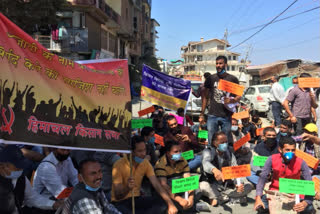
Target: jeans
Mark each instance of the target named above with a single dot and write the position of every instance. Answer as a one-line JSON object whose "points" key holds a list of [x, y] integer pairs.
{"points": [[195, 162], [213, 124], [300, 124], [276, 111], [253, 178]]}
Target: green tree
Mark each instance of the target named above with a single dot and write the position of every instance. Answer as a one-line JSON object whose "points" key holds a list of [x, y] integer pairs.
{"points": [[27, 13]]}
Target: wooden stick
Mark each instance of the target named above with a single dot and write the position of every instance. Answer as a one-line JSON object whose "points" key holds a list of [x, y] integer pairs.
{"points": [[132, 191]]}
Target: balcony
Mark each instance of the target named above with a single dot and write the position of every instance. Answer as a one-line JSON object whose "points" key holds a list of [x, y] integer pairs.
{"points": [[73, 40]]}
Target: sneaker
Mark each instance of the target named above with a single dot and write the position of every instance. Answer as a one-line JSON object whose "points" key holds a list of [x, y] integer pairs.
{"points": [[223, 199], [243, 201], [247, 189], [202, 207]]}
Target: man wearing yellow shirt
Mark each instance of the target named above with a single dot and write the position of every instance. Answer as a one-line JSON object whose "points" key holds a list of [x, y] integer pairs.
{"points": [[123, 185]]}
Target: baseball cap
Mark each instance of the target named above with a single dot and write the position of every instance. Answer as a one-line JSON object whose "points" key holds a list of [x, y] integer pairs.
{"points": [[13, 154], [311, 127]]}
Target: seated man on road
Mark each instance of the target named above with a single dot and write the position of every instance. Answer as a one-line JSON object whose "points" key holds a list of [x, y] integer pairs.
{"points": [[147, 133], [55, 173], [15, 188], [172, 166], [187, 120], [249, 127], [280, 164], [88, 196], [267, 147], [211, 176], [186, 139], [202, 125], [285, 129], [308, 146], [124, 184]]}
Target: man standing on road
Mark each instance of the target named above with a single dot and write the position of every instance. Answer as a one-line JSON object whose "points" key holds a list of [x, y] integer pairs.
{"points": [[301, 99], [277, 95], [218, 114]]}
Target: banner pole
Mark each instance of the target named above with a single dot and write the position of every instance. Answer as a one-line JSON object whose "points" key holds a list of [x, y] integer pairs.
{"points": [[132, 191]]}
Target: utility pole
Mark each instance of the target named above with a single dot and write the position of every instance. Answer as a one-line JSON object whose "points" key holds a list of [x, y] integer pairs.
{"points": [[225, 38], [245, 60]]}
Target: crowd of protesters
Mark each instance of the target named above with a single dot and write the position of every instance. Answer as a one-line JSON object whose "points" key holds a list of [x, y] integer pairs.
{"points": [[32, 178]]}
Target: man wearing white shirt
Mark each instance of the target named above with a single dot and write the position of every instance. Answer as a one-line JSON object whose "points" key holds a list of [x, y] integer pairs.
{"points": [[15, 189], [277, 96], [55, 173]]}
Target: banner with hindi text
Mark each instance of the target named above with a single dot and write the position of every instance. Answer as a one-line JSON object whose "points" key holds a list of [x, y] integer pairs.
{"points": [[50, 100]]}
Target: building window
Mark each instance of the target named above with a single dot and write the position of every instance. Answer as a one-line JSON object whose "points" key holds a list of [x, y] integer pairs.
{"points": [[229, 57], [199, 58], [220, 47], [233, 68], [234, 57], [228, 68], [199, 48]]}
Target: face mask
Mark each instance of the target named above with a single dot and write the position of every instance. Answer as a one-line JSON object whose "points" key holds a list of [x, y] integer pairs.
{"points": [[277, 130], [176, 157], [138, 160], [223, 147], [89, 188], [270, 142], [221, 72], [283, 133], [288, 155], [14, 174], [295, 85], [151, 140], [255, 120], [234, 128], [61, 157]]}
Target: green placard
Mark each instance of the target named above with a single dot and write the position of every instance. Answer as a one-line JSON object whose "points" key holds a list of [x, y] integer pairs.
{"points": [[187, 155], [203, 134], [141, 123], [259, 160], [185, 184], [294, 186]]}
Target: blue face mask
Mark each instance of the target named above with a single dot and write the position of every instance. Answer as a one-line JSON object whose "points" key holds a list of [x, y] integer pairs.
{"points": [[14, 174], [138, 160], [283, 133], [89, 188], [234, 128], [223, 147], [151, 140], [288, 155], [176, 157], [221, 72]]}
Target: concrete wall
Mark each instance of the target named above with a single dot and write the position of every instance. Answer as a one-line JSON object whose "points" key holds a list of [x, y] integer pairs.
{"points": [[94, 33]]}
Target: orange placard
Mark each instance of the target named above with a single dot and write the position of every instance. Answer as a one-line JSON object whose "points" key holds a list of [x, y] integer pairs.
{"points": [[309, 82], [159, 140], [316, 184], [146, 111], [309, 159], [65, 193], [241, 115], [232, 172], [259, 131], [231, 87], [242, 141]]}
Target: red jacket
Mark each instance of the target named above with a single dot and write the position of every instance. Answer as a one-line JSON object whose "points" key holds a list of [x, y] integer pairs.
{"points": [[281, 170]]}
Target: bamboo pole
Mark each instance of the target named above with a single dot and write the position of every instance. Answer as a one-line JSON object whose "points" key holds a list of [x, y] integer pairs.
{"points": [[132, 191]]}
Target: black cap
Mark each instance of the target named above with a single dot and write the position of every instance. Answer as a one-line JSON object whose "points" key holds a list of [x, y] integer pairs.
{"points": [[13, 154]]}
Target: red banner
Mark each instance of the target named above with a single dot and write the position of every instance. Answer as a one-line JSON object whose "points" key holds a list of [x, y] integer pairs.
{"points": [[51, 100]]}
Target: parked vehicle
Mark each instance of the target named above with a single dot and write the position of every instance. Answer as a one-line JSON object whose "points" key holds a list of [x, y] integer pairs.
{"points": [[194, 104], [258, 95]]}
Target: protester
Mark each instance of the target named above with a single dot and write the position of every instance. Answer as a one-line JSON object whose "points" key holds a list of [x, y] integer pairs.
{"points": [[148, 135], [249, 127], [201, 89], [266, 148], [214, 158], [202, 125], [285, 129], [185, 137], [55, 173], [187, 120], [308, 146], [218, 114], [125, 185], [243, 154], [255, 119], [15, 188], [172, 166], [301, 99], [88, 196], [277, 95], [275, 201]]}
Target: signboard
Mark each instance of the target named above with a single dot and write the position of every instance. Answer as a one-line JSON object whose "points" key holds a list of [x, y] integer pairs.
{"points": [[146, 111], [164, 90], [294, 186], [232, 172], [309, 159], [159, 140], [309, 82], [188, 155], [141, 123], [203, 134], [185, 184], [241, 115], [259, 160], [53, 101], [241, 142], [231, 87]]}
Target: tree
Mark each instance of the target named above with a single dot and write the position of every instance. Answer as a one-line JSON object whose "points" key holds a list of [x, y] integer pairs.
{"points": [[29, 13]]}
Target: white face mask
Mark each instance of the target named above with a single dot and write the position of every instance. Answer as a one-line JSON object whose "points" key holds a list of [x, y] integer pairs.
{"points": [[277, 130]]}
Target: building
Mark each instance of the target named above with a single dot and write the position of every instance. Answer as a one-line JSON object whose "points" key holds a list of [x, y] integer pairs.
{"points": [[200, 57], [96, 29]]}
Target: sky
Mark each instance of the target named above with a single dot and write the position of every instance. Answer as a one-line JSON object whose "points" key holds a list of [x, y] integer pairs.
{"points": [[297, 37]]}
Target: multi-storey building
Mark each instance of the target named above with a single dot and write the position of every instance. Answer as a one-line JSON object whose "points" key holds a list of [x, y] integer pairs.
{"points": [[96, 29], [200, 57]]}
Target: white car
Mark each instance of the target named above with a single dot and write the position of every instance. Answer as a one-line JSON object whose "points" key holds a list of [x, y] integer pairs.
{"points": [[194, 104], [258, 95]]}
